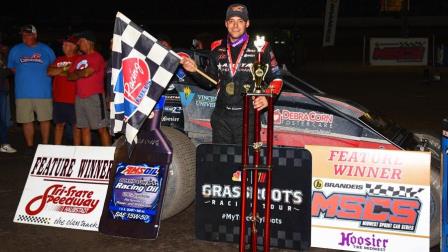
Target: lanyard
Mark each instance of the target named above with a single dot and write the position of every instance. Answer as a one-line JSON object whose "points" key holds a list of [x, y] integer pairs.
{"points": [[234, 66], [242, 39]]}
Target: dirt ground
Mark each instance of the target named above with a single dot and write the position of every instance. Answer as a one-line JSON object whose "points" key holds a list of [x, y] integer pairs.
{"points": [[400, 94]]}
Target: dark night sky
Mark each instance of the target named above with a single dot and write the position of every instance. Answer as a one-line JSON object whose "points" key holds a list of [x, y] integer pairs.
{"points": [[156, 9], [57, 18], [64, 11], [79, 13], [87, 13], [54, 18]]}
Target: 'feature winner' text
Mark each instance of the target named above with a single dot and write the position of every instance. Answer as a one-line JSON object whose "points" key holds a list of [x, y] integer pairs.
{"points": [[70, 167]]}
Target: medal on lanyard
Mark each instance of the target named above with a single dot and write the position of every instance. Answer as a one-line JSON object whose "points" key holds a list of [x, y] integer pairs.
{"points": [[230, 88]]}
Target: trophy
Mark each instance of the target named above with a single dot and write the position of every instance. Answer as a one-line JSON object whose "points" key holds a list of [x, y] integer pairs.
{"points": [[258, 71]]}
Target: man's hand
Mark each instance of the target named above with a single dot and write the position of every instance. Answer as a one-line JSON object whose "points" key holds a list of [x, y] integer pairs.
{"points": [[78, 74], [260, 102], [55, 71], [189, 64]]}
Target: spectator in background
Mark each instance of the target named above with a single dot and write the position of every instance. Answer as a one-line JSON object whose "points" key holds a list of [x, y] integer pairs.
{"points": [[64, 91], [202, 41], [164, 40], [197, 44], [5, 112], [29, 62], [90, 106]]}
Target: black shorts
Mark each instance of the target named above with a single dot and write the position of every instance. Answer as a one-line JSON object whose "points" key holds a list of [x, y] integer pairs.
{"points": [[64, 113]]}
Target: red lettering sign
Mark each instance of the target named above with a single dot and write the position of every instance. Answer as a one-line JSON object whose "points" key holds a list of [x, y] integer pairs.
{"points": [[366, 208]]}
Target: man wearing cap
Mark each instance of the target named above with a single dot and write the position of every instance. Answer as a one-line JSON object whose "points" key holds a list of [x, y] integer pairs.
{"points": [[64, 91], [230, 61], [90, 107], [29, 61]]}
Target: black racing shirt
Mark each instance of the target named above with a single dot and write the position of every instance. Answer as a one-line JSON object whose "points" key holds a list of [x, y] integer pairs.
{"points": [[220, 70]]}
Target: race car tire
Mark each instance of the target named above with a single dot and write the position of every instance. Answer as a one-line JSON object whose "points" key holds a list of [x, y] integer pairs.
{"points": [[433, 146], [180, 188]]}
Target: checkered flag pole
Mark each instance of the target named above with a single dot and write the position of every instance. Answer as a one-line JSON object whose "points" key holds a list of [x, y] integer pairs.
{"points": [[393, 191], [141, 69]]}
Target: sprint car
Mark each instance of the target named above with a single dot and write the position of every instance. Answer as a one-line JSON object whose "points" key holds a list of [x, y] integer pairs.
{"points": [[303, 115]]}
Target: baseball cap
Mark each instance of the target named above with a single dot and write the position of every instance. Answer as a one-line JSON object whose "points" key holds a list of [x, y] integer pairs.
{"points": [[89, 35], [29, 28], [237, 10], [71, 38]]}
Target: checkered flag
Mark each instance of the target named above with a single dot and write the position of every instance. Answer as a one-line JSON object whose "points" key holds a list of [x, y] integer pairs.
{"points": [[393, 191], [141, 69]]}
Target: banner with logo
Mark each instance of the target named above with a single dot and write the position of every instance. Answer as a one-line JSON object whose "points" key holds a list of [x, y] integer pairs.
{"points": [[399, 51], [198, 105], [218, 195], [370, 200], [331, 18], [66, 187]]}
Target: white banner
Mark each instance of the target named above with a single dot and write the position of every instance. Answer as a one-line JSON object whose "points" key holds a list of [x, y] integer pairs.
{"points": [[370, 200], [66, 187], [398, 51], [331, 18]]}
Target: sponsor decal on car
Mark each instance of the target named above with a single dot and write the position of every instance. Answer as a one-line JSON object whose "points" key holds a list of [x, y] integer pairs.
{"points": [[285, 116]]}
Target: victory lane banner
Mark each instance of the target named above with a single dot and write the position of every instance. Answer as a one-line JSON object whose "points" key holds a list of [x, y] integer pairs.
{"points": [[66, 187], [370, 199], [218, 193]]}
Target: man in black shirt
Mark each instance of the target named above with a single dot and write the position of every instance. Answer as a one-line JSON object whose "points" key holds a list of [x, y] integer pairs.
{"points": [[230, 62]]}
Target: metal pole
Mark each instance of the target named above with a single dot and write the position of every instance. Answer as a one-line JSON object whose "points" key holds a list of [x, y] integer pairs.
{"points": [[255, 217], [364, 49], [433, 50], [245, 163], [270, 143]]}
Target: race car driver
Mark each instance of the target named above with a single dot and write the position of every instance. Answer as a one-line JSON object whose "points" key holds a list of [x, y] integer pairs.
{"points": [[230, 61]]}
